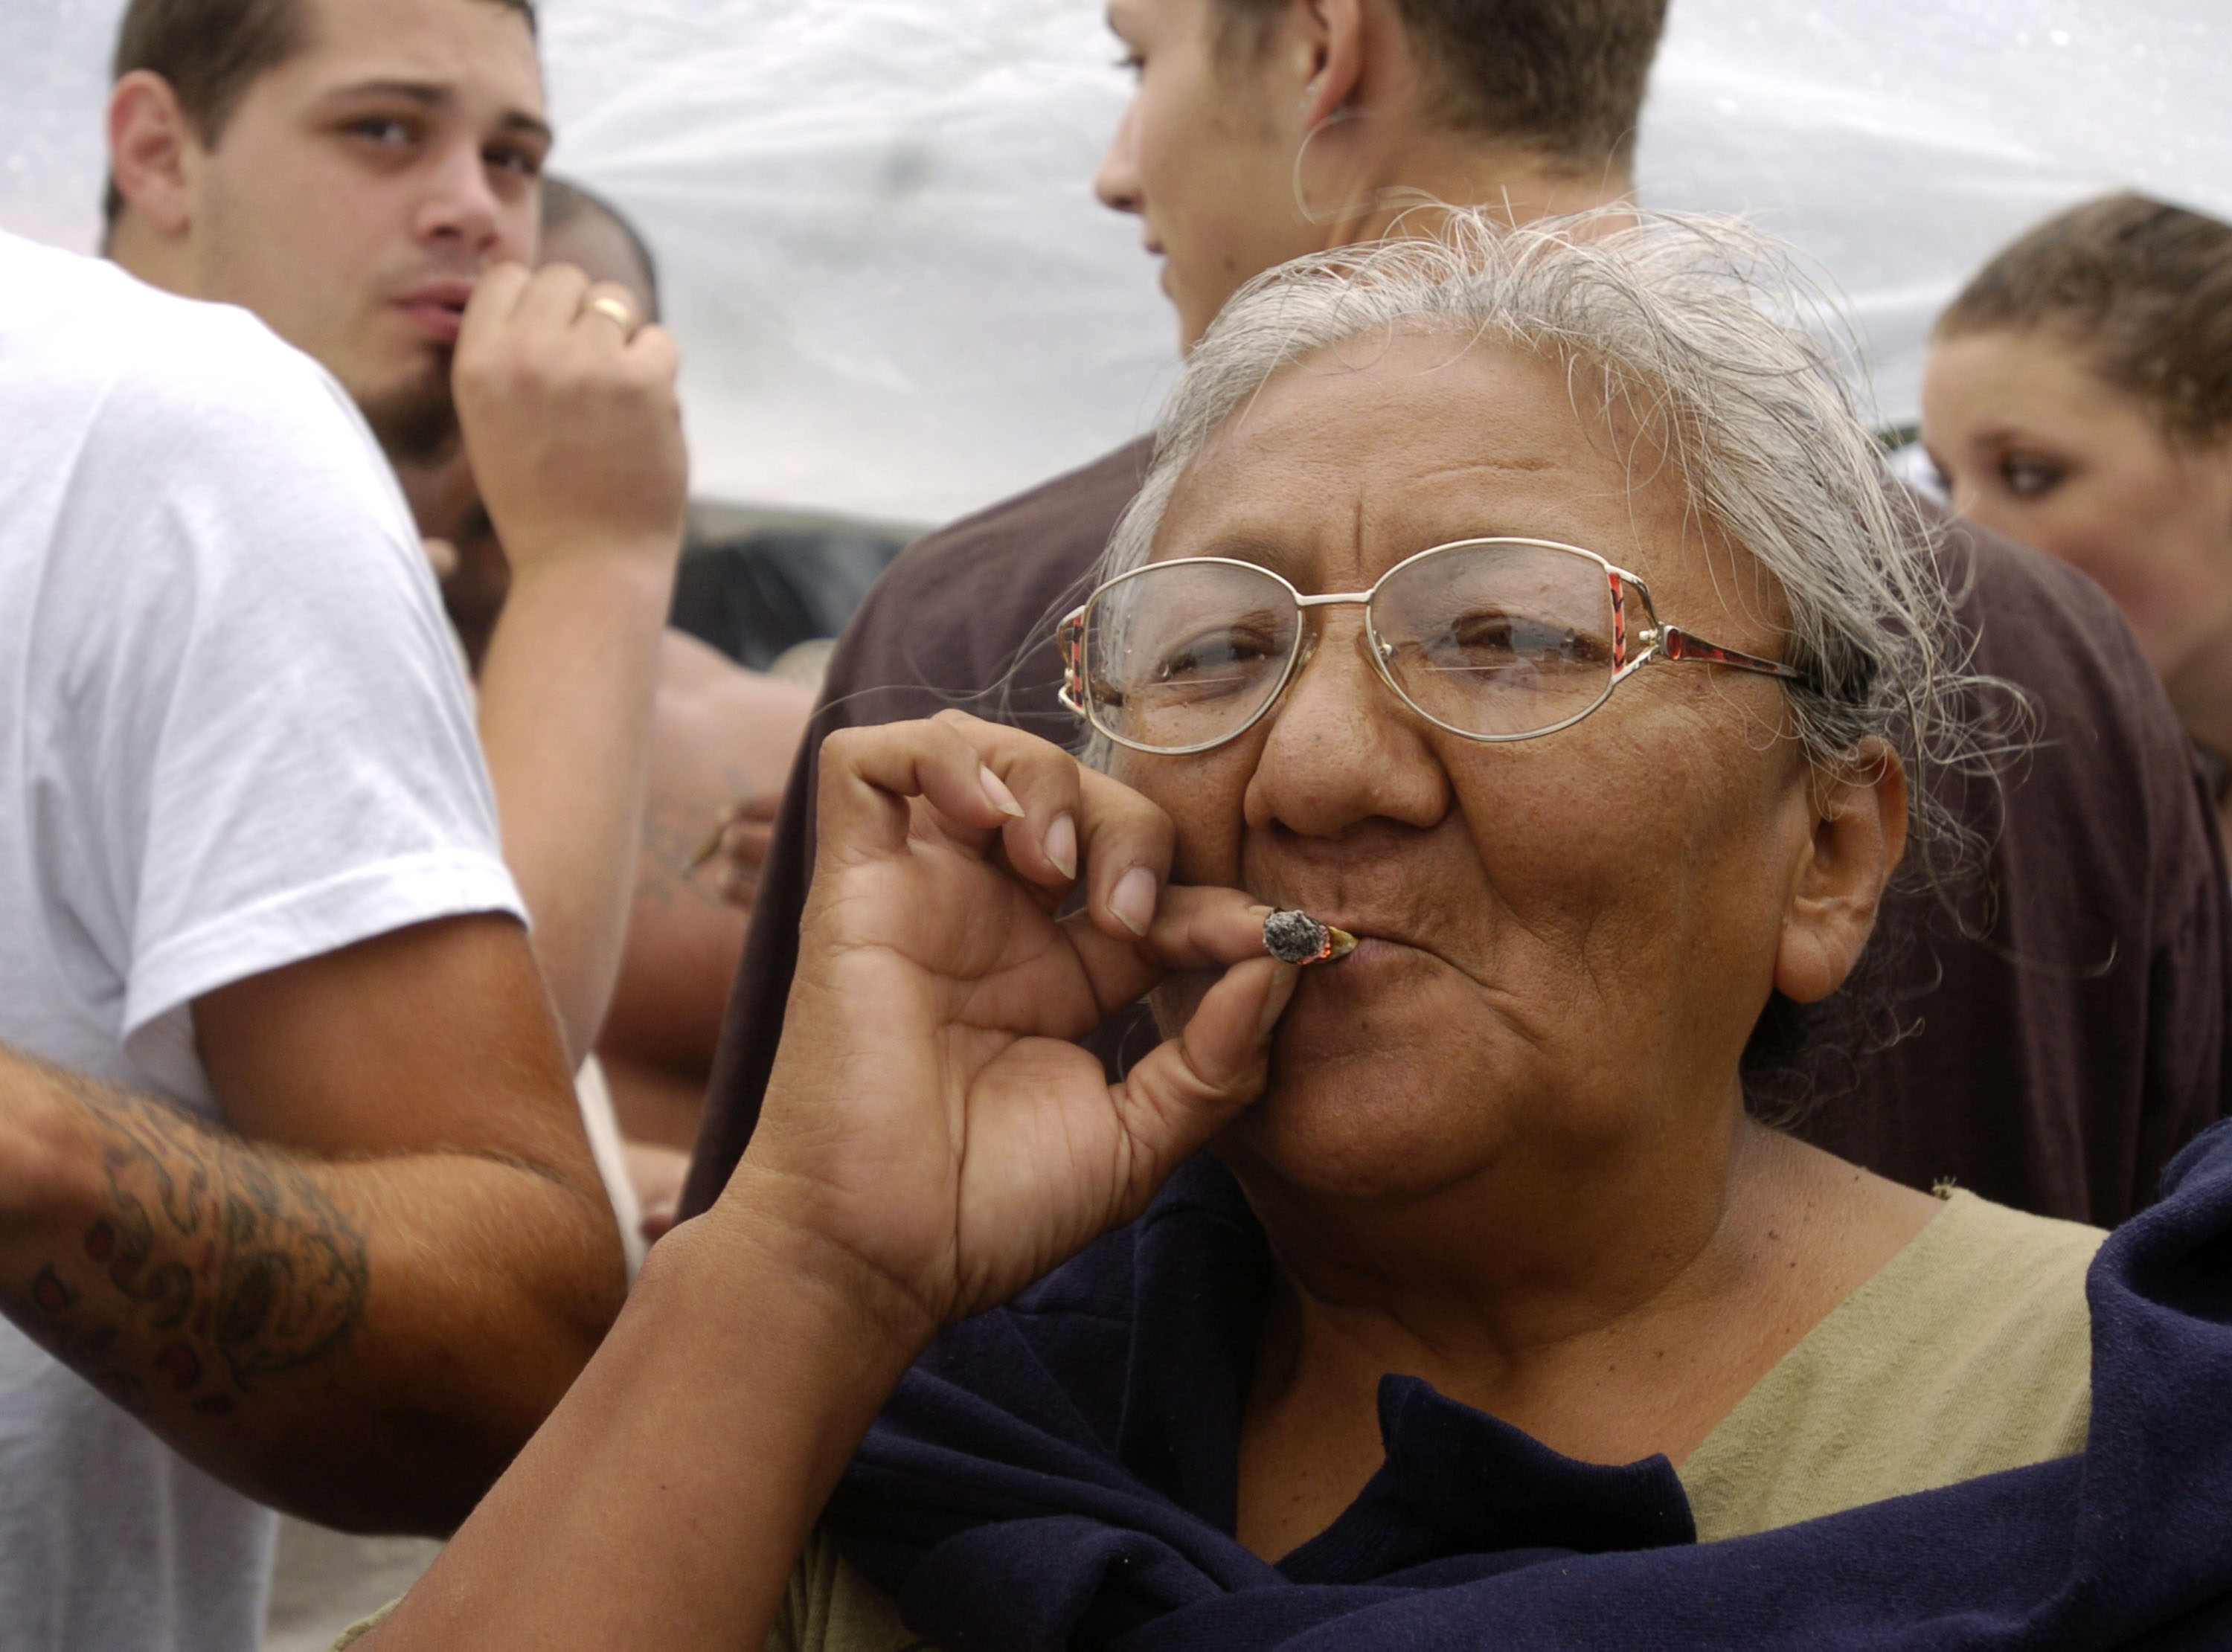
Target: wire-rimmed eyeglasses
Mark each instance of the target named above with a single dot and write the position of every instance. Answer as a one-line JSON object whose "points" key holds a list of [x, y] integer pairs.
{"points": [[1492, 640]]}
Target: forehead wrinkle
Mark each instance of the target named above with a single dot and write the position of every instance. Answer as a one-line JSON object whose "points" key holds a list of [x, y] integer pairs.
{"points": [[1472, 486], [1551, 467], [1521, 466], [1412, 523]]}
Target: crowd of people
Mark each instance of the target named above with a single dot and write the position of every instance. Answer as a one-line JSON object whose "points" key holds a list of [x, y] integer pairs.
{"points": [[1757, 1179]]}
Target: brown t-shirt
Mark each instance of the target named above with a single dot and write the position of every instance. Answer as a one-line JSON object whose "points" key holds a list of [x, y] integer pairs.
{"points": [[2049, 1043]]}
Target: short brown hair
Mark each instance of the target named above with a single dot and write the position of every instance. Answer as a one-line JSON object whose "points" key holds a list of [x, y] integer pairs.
{"points": [[1566, 77], [2144, 289], [211, 51]]}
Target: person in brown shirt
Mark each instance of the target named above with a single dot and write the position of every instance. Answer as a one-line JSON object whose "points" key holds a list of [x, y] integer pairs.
{"points": [[2044, 1029]]}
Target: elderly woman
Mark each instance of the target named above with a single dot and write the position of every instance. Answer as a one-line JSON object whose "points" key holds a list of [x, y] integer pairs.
{"points": [[1533, 610]]}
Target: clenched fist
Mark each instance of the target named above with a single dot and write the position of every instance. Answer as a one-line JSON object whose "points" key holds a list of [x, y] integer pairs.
{"points": [[570, 420]]}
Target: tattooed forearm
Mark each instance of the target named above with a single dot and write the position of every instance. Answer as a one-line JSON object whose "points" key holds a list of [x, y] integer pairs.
{"points": [[671, 871], [210, 1265]]}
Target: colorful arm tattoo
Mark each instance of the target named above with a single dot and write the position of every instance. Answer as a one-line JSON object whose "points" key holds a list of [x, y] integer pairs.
{"points": [[210, 1264]]}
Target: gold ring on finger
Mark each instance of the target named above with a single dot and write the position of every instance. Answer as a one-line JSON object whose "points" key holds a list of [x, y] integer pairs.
{"points": [[617, 310]]}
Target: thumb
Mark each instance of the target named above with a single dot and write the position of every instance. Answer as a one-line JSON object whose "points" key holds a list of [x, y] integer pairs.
{"points": [[1191, 1086]]}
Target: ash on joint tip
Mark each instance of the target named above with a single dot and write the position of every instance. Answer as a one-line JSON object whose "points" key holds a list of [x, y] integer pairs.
{"points": [[1296, 938]]}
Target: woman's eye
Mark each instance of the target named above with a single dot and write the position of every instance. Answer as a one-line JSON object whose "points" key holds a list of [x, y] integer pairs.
{"points": [[1218, 652], [2029, 478], [1522, 636]]}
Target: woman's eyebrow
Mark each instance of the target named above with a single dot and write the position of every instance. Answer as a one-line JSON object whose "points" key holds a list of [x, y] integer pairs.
{"points": [[1291, 559], [1408, 538], [1264, 549]]}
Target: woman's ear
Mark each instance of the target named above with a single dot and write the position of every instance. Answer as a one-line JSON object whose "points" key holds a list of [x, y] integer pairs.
{"points": [[1859, 832], [148, 138], [1336, 33]]}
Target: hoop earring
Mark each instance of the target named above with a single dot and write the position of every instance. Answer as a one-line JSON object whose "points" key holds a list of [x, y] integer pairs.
{"points": [[1301, 152]]}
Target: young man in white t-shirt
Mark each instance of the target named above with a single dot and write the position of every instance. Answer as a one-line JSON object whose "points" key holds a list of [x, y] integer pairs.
{"points": [[347, 170], [249, 864], [252, 866]]}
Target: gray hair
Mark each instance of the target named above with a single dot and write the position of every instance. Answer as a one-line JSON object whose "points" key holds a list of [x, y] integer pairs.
{"points": [[1702, 327]]}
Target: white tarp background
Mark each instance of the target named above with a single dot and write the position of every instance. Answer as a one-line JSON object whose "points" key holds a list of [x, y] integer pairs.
{"points": [[898, 298]]}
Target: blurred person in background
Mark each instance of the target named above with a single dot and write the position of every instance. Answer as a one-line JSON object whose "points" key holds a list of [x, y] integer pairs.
{"points": [[346, 170], [2078, 397], [722, 738], [2049, 1052]]}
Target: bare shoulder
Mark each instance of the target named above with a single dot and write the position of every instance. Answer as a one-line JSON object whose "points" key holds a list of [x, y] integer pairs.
{"points": [[719, 731], [691, 672]]}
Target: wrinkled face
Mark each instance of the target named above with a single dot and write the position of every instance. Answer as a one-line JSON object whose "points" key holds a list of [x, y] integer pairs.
{"points": [[1205, 155], [2032, 444], [1566, 940], [362, 187]]}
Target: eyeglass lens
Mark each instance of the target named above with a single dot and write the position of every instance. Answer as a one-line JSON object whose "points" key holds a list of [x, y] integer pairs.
{"points": [[1496, 638]]}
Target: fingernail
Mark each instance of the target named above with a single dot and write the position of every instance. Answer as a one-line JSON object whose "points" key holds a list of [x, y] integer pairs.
{"points": [[1281, 994], [1061, 844], [997, 791], [1133, 901]]}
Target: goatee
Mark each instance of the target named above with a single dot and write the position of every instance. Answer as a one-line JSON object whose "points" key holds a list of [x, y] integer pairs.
{"points": [[416, 422]]}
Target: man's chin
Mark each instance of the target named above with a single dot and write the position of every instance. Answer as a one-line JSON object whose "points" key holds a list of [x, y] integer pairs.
{"points": [[417, 423]]}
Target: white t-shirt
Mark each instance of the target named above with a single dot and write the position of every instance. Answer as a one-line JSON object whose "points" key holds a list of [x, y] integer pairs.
{"points": [[233, 736]]}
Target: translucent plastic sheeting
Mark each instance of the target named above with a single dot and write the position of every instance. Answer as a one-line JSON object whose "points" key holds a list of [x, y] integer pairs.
{"points": [[897, 297]]}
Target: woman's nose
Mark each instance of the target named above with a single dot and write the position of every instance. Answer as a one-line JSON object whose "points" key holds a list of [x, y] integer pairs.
{"points": [[1343, 748], [1116, 180]]}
